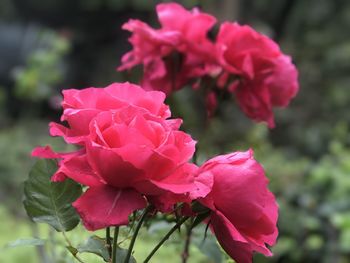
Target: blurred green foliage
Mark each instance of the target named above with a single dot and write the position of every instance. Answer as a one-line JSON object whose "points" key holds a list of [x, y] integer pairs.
{"points": [[37, 79]]}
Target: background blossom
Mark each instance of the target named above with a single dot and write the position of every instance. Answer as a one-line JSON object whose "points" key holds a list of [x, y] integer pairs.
{"points": [[174, 54], [264, 77]]}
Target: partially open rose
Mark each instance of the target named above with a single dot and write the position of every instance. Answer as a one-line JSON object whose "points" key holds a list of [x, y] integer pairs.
{"points": [[243, 211]]}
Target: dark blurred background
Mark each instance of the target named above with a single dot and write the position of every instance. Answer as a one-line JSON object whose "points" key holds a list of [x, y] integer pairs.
{"points": [[47, 46]]}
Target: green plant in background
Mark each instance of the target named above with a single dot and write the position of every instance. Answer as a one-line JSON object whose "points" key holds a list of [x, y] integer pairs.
{"points": [[314, 201], [16, 142], [44, 68]]}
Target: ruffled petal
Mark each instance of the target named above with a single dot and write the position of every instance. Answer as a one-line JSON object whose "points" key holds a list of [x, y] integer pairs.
{"points": [[179, 181], [105, 206], [46, 152], [78, 169], [111, 167], [235, 245]]}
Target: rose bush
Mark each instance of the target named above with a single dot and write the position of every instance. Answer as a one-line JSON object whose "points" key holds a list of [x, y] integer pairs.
{"points": [[131, 155], [128, 151], [243, 211]]}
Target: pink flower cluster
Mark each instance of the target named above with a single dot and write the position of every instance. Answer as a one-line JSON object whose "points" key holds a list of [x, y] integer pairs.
{"points": [[240, 60], [174, 54], [131, 153]]}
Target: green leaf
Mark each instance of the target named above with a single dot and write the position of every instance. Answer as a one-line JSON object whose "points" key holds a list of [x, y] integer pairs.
{"points": [[207, 244], [50, 202], [121, 254], [25, 242], [72, 250], [95, 245]]}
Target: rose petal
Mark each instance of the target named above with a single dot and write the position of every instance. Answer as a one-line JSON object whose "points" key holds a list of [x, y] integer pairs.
{"points": [[230, 239], [78, 169], [110, 166], [105, 206]]}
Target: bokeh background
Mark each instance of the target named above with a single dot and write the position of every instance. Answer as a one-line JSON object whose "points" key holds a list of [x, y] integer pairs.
{"points": [[47, 46]]}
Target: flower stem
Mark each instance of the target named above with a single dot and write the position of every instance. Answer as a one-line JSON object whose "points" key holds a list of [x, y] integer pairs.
{"points": [[108, 240], [186, 251], [133, 239], [195, 155], [115, 244], [70, 245], [165, 238]]}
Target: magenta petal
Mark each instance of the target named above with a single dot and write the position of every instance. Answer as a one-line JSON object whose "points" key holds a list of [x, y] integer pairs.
{"points": [[174, 124], [172, 15], [230, 239], [134, 95], [70, 136], [175, 188], [48, 153], [45, 152], [104, 206], [152, 164], [283, 83], [272, 212], [78, 169], [111, 167], [204, 184], [179, 181], [79, 120]]}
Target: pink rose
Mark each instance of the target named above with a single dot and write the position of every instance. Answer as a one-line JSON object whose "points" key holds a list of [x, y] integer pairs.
{"points": [[265, 78], [174, 54], [129, 152], [144, 147], [80, 106], [243, 211]]}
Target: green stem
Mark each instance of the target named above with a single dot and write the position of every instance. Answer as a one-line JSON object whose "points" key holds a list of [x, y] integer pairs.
{"points": [[195, 155], [70, 245], [115, 245], [165, 238], [186, 251], [108, 240], [133, 239]]}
